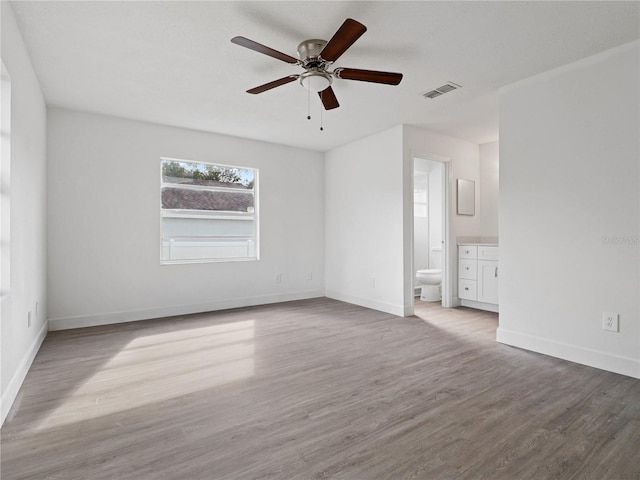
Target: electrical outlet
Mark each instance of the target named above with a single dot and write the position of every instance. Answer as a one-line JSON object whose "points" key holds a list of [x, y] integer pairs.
{"points": [[373, 282], [310, 276], [278, 278], [29, 320], [610, 321]]}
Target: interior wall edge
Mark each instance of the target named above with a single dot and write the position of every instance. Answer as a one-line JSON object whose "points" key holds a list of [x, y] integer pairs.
{"points": [[394, 309], [27, 293], [94, 320], [11, 392], [563, 69], [573, 353]]}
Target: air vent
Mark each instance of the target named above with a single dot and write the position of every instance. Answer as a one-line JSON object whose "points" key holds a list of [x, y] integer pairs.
{"points": [[436, 92]]}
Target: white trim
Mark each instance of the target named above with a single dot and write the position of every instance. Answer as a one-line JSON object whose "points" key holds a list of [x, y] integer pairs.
{"points": [[13, 387], [207, 188], [490, 307], [81, 321], [585, 356], [393, 309], [206, 214], [208, 260], [212, 237], [200, 162], [5, 182]]}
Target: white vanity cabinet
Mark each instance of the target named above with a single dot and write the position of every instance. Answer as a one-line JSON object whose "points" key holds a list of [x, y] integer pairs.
{"points": [[478, 276], [488, 281]]}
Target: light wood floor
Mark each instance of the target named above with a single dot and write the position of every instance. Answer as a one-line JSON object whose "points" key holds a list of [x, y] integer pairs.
{"points": [[315, 389]]}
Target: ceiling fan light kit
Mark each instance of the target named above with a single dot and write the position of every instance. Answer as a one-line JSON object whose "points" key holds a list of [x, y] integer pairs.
{"points": [[315, 56], [316, 80]]}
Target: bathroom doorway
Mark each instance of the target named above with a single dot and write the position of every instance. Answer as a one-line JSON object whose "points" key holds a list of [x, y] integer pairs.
{"points": [[430, 230]]}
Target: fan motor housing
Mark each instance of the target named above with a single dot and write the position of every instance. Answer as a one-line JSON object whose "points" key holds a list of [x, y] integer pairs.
{"points": [[309, 52]]}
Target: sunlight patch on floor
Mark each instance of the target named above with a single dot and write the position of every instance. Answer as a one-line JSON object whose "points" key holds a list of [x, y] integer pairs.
{"points": [[160, 367]]}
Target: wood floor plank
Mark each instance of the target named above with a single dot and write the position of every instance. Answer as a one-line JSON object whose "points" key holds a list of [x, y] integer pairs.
{"points": [[315, 389]]}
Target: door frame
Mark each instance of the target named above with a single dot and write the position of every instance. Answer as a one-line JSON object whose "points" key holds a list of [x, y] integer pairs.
{"points": [[447, 274]]}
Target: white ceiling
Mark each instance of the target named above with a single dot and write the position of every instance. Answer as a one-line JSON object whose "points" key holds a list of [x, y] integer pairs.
{"points": [[173, 62]]}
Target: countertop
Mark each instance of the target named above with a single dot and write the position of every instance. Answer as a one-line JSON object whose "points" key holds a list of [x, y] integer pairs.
{"points": [[478, 240]]}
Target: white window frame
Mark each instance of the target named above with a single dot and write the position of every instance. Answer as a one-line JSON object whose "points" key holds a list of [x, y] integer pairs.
{"points": [[211, 214], [5, 184]]}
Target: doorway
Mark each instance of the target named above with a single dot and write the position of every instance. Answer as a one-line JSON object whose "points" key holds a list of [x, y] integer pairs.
{"points": [[430, 230]]}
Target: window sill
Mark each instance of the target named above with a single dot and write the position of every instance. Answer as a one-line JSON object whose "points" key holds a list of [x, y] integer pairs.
{"points": [[208, 260]]}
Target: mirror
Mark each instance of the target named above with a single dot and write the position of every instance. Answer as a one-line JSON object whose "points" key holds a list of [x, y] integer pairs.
{"points": [[466, 197]]}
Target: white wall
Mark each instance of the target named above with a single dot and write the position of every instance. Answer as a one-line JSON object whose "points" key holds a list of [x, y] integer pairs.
{"points": [[104, 223], [569, 211], [463, 159], [364, 222], [489, 189], [369, 214], [20, 343]]}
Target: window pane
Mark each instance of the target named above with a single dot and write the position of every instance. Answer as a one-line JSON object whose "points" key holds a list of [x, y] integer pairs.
{"points": [[5, 182], [204, 174], [419, 210], [194, 199], [208, 212], [196, 226]]}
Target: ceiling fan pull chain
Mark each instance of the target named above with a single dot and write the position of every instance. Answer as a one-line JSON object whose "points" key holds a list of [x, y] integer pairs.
{"points": [[308, 104], [321, 129]]}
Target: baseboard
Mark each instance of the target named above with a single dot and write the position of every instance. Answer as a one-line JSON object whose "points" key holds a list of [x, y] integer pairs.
{"points": [[82, 321], [574, 353], [10, 394], [391, 308], [489, 307]]}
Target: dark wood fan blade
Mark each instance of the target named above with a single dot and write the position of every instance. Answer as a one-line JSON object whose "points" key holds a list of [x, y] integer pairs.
{"points": [[374, 76], [329, 99], [258, 47], [274, 84], [347, 34]]}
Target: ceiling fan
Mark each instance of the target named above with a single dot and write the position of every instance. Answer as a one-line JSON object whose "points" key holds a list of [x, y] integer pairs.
{"points": [[316, 56]]}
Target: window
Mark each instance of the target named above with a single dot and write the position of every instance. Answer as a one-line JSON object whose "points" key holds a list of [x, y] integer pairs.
{"points": [[5, 182], [420, 203], [209, 212]]}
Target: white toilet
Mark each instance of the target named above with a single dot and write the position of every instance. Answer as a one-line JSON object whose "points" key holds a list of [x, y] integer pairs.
{"points": [[430, 279]]}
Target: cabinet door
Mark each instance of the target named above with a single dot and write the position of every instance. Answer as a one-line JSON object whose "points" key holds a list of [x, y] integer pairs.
{"points": [[488, 281]]}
